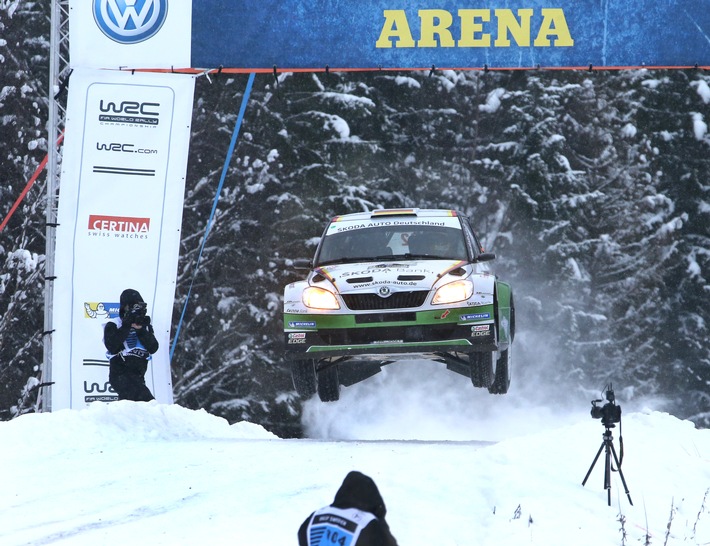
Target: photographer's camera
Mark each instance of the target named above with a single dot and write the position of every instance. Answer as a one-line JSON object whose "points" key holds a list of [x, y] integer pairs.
{"points": [[137, 314]]}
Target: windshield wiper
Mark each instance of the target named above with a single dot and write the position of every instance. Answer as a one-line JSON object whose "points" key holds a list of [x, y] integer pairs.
{"points": [[425, 257], [345, 261]]}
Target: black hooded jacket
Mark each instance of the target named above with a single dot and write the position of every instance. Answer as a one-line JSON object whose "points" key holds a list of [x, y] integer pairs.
{"points": [[359, 491], [115, 334]]}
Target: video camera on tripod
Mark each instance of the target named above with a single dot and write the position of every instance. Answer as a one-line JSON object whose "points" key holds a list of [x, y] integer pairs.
{"points": [[609, 413]]}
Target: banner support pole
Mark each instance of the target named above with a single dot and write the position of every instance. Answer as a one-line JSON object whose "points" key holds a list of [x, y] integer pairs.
{"points": [[58, 65]]}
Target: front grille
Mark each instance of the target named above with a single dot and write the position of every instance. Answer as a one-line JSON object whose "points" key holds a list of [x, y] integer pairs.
{"points": [[406, 334], [374, 318], [373, 302]]}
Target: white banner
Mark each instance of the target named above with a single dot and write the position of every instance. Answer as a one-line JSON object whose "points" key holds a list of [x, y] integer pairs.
{"points": [[130, 33], [120, 213]]}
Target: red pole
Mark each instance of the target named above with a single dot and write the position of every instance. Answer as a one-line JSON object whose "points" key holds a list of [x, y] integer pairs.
{"points": [[29, 184]]}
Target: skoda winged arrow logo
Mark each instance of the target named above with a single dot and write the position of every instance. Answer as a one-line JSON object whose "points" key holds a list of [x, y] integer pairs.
{"points": [[384, 291], [130, 21]]}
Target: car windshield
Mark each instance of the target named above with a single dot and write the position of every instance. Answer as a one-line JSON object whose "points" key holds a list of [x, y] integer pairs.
{"points": [[378, 243]]}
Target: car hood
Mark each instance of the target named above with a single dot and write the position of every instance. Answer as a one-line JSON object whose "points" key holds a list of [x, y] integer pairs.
{"points": [[397, 276]]}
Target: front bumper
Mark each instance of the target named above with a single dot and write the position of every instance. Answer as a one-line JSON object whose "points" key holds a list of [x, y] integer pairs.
{"points": [[320, 336]]}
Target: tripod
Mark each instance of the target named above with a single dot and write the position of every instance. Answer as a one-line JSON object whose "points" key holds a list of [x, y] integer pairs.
{"points": [[608, 446]]}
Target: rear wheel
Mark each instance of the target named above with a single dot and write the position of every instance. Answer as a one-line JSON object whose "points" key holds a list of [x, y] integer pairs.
{"points": [[481, 365], [303, 374], [501, 382], [329, 384]]}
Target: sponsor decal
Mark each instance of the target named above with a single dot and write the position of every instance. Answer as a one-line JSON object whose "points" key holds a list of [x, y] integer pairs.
{"points": [[337, 228], [297, 335], [392, 212], [101, 398], [129, 112], [123, 170], [119, 227], [96, 387], [302, 324], [98, 391], [323, 271], [387, 342], [546, 28], [445, 314], [481, 328], [101, 310], [476, 316], [376, 283], [130, 21], [387, 269], [479, 334], [123, 148]]}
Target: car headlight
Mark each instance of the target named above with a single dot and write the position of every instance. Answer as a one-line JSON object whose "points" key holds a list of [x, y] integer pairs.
{"points": [[453, 292], [319, 298]]}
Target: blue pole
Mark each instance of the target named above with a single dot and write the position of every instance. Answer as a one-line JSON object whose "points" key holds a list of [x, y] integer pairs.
{"points": [[230, 152]]}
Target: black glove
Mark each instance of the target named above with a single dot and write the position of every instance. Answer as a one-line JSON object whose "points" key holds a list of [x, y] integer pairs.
{"points": [[146, 328]]}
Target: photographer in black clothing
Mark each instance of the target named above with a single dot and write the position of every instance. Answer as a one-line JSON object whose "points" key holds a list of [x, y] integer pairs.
{"points": [[130, 342], [356, 517]]}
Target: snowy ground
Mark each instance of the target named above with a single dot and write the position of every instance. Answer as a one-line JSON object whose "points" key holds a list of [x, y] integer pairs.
{"points": [[458, 468]]}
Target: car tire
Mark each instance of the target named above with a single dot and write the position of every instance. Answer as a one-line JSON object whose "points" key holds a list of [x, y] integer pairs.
{"points": [[501, 382], [303, 375], [329, 384], [481, 368]]}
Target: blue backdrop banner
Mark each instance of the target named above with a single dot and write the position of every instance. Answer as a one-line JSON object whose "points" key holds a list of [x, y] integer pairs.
{"points": [[354, 34]]}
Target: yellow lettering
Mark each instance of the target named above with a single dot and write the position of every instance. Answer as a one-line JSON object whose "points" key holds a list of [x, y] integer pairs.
{"points": [[396, 27], [512, 26], [520, 30], [435, 22], [472, 24], [554, 24]]}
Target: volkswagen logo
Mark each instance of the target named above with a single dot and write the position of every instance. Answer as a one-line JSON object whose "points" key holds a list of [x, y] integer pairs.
{"points": [[130, 21], [384, 292]]}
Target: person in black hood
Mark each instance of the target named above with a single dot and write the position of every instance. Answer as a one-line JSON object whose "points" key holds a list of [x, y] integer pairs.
{"points": [[130, 342], [356, 517]]}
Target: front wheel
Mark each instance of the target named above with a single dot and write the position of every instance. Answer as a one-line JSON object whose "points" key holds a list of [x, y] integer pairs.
{"points": [[303, 375], [329, 384], [481, 365], [501, 382]]}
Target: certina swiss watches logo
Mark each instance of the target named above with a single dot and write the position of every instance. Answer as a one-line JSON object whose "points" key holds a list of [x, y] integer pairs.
{"points": [[130, 21], [118, 227]]}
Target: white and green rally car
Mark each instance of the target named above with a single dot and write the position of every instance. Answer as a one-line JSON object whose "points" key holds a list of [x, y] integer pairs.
{"points": [[398, 284]]}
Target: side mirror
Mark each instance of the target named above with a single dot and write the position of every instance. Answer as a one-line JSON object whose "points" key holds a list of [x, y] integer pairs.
{"points": [[302, 263], [485, 257]]}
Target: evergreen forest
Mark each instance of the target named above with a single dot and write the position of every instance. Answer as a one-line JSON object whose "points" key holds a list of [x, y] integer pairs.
{"points": [[591, 186]]}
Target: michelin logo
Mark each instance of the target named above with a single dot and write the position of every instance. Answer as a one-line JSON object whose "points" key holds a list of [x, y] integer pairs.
{"points": [[130, 21], [101, 310], [476, 316], [302, 324]]}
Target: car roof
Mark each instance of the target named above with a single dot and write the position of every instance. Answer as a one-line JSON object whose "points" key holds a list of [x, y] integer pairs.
{"points": [[382, 213]]}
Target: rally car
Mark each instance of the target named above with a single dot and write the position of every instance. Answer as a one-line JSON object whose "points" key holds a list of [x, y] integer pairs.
{"points": [[392, 285]]}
